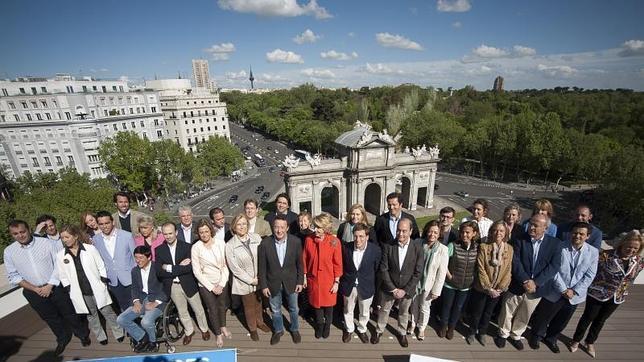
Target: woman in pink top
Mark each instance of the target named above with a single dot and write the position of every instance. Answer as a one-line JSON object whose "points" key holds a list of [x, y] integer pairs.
{"points": [[149, 234]]}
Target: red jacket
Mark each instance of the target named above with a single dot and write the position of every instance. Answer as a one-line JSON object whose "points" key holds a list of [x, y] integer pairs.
{"points": [[322, 265]]}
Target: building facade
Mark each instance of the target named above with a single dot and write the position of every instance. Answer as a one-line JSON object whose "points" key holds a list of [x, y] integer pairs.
{"points": [[49, 124], [201, 74], [192, 114]]}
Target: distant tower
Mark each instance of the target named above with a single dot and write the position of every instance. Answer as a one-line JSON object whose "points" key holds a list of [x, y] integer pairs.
{"points": [[201, 73], [498, 84], [252, 79]]}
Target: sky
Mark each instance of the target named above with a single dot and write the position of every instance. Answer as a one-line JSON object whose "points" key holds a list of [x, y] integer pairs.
{"points": [[331, 43]]}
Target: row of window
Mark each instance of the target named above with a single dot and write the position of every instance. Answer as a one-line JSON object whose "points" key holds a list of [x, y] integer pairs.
{"points": [[35, 104], [194, 130], [193, 102], [47, 162], [121, 101], [68, 88]]}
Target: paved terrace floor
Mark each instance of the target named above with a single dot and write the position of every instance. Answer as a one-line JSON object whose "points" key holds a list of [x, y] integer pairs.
{"points": [[24, 337]]}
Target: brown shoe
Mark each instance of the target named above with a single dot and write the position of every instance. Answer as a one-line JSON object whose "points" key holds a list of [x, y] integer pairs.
{"points": [[450, 333], [254, 336], [442, 331], [205, 335], [187, 339], [346, 336], [264, 328]]}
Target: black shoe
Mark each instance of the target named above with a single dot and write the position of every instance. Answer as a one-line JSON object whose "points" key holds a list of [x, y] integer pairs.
{"points": [[142, 345], [120, 339], [318, 330], [346, 336], [275, 338], [103, 342], [481, 338], [86, 342], [297, 338], [152, 347], [363, 337], [375, 338], [533, 342], [403, 341], [500, 341], [517, 344], [60, 348], [552, 345]]}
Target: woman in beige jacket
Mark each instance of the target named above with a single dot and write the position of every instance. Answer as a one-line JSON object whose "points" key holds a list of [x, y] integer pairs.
{"points": [[493, 277], [241, 255], [432, 280], [209, 267]]}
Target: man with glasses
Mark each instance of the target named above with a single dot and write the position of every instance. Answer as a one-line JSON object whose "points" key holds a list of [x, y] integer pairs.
{"points": [[446, 219]]}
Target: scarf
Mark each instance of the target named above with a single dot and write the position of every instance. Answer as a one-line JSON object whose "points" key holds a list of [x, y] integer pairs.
{"points": [[497, 257], [429, 254], [347, 233]]}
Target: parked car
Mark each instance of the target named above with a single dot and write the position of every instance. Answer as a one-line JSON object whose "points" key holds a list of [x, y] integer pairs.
{"points": [[233, 198], [266, 195], [462, 193]]}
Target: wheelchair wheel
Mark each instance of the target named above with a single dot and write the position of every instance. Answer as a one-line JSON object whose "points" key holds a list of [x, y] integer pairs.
{"points": [[172, 327]]}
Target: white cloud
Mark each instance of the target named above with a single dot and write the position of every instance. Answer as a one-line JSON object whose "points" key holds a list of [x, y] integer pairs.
{"points": [[351, 34], [397, 41], [453, 6], [485, 51], [281, 8], [236, 75], [282, 56], [308, 36], [333, 55], [318, 73], [221, 51], [124, 78], [522, 51], [563, 71], [270, 78], [632, 48], [380, 68], [457, 25]]}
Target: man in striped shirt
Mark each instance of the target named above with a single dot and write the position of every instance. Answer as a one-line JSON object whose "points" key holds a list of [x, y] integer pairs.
{"points": [[31, 264]]}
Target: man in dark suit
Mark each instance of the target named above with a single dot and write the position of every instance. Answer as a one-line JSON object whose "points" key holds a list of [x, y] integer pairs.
{"points": [[222, 229], [282, 207], [446, 218], [360, 260], [582, 214], [148, 301], [175, 271], [386, 224], [537, 258], [186, 229], [400, 269], [281, 275]]}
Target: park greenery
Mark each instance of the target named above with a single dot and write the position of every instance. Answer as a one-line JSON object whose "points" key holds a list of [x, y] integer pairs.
{"points": [[561, 136]]}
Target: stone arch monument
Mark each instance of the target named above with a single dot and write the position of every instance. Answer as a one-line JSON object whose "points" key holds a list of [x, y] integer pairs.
{"points": [[368, 170]]}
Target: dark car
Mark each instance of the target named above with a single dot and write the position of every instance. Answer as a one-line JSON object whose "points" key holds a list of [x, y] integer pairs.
{"points": [[233, 198], [266, 195], [462, 193], [269, 148]]}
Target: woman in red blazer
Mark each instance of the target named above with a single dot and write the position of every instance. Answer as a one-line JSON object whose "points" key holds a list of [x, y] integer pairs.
{"points": [[322, 260]]}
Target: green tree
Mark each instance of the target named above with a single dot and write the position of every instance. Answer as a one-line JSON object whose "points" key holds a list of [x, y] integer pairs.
{"points": [[217, 157], [129, 160]]}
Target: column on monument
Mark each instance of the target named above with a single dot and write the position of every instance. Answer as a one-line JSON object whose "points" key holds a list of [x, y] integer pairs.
{"points": [[413, 190], [295, 198], [342, 198], [429, 200], [316, 198]]}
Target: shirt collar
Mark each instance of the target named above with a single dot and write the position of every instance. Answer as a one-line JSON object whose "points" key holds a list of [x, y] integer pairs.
{"points": [[393, 218], [537, 240], [80, 247], [189, 227], [126, 214], [363, 249], [147, 268], [279, 241], [400, 244]]}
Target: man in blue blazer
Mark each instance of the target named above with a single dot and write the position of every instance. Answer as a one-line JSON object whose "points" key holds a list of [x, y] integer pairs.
{"points": [[360, 260], [116, 247], [568, 288], [148, 301], [537, 259]]}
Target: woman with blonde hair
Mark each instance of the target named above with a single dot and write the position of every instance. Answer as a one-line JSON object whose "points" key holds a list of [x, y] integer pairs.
{"points": [[356, 215], [209, 267], [493, 277], [241, 256], [81, 269], [148, 234], [543, 207], [616, 272], [322, 261]]}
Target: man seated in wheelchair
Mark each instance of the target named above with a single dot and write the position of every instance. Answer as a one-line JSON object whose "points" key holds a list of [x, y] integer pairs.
{"points": [[148, 301]]}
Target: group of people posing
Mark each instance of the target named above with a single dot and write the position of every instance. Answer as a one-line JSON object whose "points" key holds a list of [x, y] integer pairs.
{"points": [[126, 268]]}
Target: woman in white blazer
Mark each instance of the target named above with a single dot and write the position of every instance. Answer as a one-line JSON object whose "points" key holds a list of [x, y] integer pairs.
{"points": [[431, 282], [81, 270]]}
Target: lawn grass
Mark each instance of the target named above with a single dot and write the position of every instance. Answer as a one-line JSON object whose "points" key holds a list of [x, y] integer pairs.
{"points": [[421, 221]]}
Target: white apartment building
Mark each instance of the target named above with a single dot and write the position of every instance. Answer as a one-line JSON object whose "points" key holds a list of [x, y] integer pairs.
{"points": [[201, 74], [49, 124], [192, 115]]}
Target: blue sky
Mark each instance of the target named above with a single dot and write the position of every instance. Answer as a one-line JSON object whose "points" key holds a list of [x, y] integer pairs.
{"points": [[333, 43]]}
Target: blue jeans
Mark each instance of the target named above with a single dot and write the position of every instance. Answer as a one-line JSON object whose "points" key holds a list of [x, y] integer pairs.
{"points": [[453, 301], [276, 308], [148, 322]]}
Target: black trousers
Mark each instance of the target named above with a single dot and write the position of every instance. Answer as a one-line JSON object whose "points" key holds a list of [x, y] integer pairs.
{"points": [[122, 294], [323, 315], [595, 315], [58, 312], [550, 318], [480, 309]]}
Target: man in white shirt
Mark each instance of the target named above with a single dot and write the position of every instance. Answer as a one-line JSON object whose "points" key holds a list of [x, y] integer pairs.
{"points": [[222, 231], [186, 229], [255, 224], [148, 301]]}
